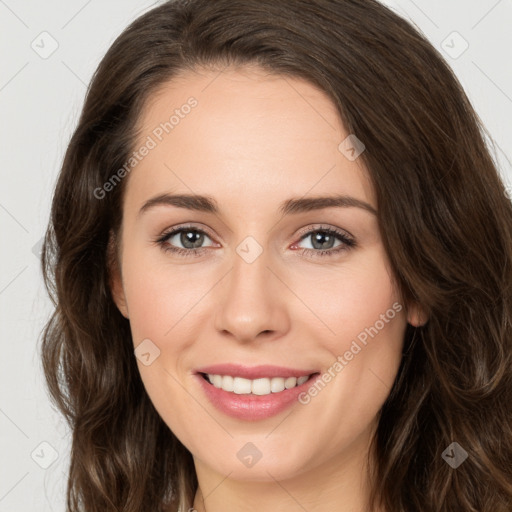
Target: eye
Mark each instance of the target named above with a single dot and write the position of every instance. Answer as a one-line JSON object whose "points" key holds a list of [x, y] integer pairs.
{"points": [[190, 238], [322, 241]]}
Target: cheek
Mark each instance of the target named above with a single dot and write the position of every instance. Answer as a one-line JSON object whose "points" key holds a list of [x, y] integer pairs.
{"points": [[366, 321], [162, 298], [354, 302]]}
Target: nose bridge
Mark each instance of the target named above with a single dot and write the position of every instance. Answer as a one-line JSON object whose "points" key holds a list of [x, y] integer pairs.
{"points": [[249, 303]]}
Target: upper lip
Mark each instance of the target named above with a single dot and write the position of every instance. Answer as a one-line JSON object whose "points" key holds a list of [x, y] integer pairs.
{"points": [[253, 372]]}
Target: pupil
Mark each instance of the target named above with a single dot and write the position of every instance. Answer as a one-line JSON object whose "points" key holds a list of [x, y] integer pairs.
{"points": [[191, 237], [327, 241]]}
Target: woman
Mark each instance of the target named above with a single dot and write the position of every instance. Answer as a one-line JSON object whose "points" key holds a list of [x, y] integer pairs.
{"points": [[280, 255]]}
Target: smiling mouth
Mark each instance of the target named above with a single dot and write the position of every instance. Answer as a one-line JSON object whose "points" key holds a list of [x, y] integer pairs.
{"points": [[260, 387]]}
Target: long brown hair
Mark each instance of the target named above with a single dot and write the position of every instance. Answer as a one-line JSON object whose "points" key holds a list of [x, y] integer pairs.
{"points": [[444, 216]]}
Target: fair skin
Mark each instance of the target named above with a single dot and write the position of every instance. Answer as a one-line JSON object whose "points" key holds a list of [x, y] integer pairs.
{"points": [[252, 142]]}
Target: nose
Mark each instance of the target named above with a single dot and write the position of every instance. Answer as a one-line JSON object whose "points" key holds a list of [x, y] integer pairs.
{"points": [[251, 301]]}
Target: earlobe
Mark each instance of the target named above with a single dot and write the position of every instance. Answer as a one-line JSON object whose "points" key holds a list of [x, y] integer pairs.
{"points": [[416, 315], [115, 279]]}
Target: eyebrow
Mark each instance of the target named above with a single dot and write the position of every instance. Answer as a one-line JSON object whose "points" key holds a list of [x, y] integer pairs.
{"points": [[291, 206]]}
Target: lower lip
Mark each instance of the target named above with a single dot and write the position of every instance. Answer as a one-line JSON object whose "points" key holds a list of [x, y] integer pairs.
{"points": [[251, 407]]}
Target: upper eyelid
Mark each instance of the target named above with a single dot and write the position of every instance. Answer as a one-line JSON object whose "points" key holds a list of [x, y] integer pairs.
{"points": [[185, 227], [320, 227]]}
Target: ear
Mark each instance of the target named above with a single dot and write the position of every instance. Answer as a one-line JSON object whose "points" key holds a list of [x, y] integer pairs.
{"points": [[115, 278], [416, 315]]}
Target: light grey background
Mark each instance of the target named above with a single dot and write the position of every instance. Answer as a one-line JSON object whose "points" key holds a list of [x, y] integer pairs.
{"points": [[40, 98]]}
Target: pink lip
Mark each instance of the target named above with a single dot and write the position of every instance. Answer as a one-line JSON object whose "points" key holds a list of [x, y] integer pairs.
{"points": [[253, 407], [253, 372]]}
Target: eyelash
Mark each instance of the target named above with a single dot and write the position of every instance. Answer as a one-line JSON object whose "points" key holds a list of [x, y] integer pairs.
{"points": [[347, 242]]}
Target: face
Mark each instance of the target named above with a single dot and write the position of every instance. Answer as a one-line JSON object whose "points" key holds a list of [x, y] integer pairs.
{"points": [[260, 281]]}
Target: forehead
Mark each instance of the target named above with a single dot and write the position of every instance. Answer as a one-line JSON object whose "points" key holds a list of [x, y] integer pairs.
{"points": [[249, 133]]}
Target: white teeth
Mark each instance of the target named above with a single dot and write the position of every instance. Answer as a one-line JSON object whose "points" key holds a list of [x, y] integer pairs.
{"points": [[241, 385], [217, 381], [227, 383], [260, 386], [290, 382], [277, 384], [263, 386]]}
